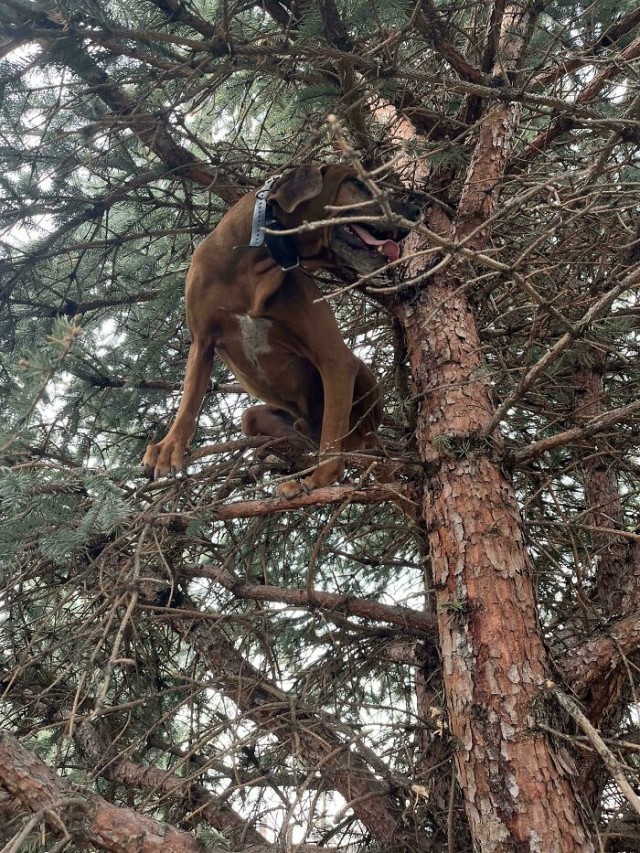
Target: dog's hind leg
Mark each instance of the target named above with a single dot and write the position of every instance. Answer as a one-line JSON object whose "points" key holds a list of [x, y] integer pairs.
{"points": [[279, 424], [267, 420]]}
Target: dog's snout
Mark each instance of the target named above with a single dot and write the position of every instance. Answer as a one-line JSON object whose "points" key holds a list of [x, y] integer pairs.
{"points": [[412, 212], [407, 210]]}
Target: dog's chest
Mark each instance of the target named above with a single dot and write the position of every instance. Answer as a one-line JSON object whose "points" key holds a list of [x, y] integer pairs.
{"points": [[254, 332], [244, 347], [258, 353]]}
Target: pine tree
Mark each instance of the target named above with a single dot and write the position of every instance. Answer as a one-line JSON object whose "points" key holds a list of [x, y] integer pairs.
{"points": [[183, 665]]}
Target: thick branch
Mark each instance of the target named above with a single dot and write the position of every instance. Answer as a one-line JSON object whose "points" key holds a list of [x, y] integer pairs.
{"points": [[268, 506], [301, 729], [602, 652], [403, 617], [595, 425], [176, 10], [189, 795], [429, 24], [86, 817], [333, 25], [494, 26]]}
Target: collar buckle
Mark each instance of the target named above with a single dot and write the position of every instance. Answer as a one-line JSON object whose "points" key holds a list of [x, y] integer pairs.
{"points": [[281, 247]]}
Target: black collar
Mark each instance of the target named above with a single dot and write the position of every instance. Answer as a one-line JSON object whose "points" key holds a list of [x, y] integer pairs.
{"points": [[281, 247]]}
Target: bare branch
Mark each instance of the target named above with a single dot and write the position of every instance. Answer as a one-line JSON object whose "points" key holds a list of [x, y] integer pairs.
{"points": [[411, 620], [611, 762], [602, 422]]}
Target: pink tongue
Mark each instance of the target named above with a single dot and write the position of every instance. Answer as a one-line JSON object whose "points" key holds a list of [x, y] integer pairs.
{"points": [[390, 249]]}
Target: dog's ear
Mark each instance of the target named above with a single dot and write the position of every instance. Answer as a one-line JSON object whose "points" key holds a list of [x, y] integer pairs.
{"points": [[297, 186]]}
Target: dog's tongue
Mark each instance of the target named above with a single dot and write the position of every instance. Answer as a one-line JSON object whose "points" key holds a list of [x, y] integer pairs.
{"points": [[390, 248]]}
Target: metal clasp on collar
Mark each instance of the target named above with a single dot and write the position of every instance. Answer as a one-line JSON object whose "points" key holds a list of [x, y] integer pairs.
{"points": [[281, 248], [260, 213]]}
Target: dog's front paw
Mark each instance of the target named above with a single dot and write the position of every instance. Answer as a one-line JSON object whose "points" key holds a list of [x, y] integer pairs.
{"points": [[163, 459], [293, 488], [290, 489]]}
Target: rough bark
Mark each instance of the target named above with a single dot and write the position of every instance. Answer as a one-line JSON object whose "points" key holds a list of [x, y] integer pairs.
{"points": [[617, 564], [517, 793], [589, 663], [83, 816], [493, 657]]}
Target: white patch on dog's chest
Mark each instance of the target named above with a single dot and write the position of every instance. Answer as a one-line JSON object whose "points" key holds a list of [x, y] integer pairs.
{"points": [[255, 339]]}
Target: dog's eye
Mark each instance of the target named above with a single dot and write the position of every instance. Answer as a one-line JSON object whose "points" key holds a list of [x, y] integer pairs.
{"points": [[361, 186]]}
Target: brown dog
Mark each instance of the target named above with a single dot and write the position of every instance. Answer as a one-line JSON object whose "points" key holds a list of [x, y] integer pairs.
{"points": [[260, 312]]}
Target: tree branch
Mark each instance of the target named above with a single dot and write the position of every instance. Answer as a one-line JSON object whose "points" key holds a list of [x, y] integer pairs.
{"points": [[308, 734], [597, 310], [403, 617], [193, 798], [268, 506], [85, 817], [150, 129], [609, 759], [565, 122], [601, 652], [595, 425], [429, 25], [609, 37]]}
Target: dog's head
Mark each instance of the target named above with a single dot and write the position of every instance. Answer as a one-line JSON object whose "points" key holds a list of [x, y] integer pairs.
{"points": [[314, 193]]}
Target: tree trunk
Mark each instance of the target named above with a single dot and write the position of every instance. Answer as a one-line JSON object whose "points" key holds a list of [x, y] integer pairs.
{"points": [[616, 564], [516, 790], [518, 794]]}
